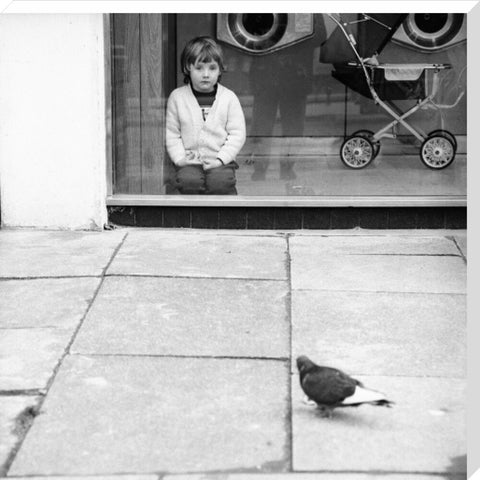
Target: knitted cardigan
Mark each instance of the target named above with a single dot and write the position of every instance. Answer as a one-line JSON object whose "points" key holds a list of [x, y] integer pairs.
{"points": [[221, 135]]}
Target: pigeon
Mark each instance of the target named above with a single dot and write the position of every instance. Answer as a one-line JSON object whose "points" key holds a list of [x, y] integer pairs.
{"points": [[330, 388]]}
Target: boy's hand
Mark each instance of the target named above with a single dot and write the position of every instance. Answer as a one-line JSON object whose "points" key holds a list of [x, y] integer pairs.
{"points": [[192, 158], [209, 163]]}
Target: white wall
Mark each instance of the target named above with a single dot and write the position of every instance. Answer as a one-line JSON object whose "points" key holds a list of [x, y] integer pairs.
{"points": [[52, 121]]}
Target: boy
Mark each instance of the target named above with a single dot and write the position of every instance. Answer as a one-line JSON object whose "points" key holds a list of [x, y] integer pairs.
{"points": [[205, 125]]}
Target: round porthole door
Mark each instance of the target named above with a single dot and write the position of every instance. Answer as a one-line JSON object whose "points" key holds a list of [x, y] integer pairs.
{"points": [[431, 31], [258, 31], [261, 33]]}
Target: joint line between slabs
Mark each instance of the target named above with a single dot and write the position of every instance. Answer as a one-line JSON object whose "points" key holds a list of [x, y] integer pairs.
{"points": [[454, 240], [49, 277], [289, 419], [186, 277], [455, 255], [197, 357], [32, 392], [114, 254], [373, 292]]}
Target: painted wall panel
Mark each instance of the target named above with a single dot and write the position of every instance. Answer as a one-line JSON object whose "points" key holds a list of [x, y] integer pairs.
{"points": [[52, 121]]}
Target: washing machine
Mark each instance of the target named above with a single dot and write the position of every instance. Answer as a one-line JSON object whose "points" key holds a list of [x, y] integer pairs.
{"points": [[263, 33], [432, 32]]}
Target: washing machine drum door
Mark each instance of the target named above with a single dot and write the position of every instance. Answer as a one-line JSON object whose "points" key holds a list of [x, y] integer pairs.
{"points": [[261, 33], [430, 32]]}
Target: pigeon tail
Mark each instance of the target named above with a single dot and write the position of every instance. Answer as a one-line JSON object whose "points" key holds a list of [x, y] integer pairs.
{"points": [[379, 403], [364, 395], [385, 403]]}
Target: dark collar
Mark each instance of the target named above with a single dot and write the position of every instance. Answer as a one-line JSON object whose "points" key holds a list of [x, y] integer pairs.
{"points": [[204, 94]]}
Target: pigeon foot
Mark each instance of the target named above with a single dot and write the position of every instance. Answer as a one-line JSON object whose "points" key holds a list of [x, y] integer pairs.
{"points": [[325, 412]]}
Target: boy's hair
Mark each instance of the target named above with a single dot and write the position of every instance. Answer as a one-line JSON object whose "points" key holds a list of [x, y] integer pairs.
{"points": [[202, 49]]}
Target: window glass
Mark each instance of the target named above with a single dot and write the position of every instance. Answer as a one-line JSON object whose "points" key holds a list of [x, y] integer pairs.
{"points": [[302, 102]]}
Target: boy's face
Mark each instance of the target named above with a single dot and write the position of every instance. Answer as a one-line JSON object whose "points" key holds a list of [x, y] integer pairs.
{"points": [[204, 75]]}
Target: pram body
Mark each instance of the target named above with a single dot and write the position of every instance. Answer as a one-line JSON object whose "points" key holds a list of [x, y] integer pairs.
{"points": [[356, 66]]}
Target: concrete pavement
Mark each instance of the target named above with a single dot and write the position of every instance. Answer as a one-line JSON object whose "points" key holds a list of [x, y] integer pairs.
{"points": [[147, 354]]}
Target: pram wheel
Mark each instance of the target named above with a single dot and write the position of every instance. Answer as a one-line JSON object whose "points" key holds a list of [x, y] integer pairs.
{"points": [[368, 134], [437, 152], [357, 151], [446, 134]]}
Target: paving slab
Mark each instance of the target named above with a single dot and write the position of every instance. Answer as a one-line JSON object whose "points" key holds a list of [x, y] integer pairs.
{"points": [[461, 241], [201, 255], [187, 316], [388, 273], [45, 303], [37, 319], [55, 254], [111, 415], [386, 244], [28, 357], [382, 333], [11, 408], [424, 432]]}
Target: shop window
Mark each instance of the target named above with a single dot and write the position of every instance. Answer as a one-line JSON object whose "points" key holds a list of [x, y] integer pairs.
{"points": [[299, 108]]}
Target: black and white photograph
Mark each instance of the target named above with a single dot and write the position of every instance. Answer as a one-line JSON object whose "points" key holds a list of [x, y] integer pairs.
{"points": [[233, 246]]}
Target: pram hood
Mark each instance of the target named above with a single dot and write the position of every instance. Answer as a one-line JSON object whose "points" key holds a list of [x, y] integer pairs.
{"points": [[371, 31]]}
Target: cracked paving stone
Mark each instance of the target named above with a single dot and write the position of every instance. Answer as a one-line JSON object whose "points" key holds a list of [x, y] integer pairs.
{"points": [[11, 428]]}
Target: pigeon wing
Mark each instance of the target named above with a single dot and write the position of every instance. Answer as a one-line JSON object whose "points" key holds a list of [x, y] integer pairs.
{"points": [[328, 386]]}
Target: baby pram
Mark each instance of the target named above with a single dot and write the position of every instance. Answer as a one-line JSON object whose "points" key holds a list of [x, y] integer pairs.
{"points": [[352, 49]]}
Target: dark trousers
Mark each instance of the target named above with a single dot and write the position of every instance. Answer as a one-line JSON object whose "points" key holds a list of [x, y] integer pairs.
{"points": [[291, 104], [194, 180]]}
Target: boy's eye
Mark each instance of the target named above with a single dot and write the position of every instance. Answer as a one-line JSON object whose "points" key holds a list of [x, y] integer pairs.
{"points": [[200, 66]]}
